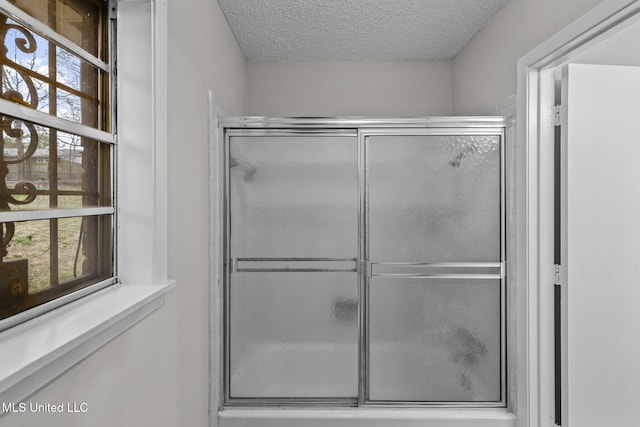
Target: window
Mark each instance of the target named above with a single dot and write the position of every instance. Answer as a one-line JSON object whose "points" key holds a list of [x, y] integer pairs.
{"points": [[56, 152], [46, 346]]}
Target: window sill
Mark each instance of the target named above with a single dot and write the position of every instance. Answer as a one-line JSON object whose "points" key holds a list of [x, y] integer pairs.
{"points": [[37, 351]]}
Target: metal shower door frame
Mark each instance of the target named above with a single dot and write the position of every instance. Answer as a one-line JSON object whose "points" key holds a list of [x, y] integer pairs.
{"points": [[363, 129]]}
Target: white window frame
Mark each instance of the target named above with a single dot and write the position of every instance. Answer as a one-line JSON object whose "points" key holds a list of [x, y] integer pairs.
{"points": [[81, 327]]}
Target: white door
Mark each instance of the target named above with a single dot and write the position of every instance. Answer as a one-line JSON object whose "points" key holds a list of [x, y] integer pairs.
{"points": [[602, 247]]}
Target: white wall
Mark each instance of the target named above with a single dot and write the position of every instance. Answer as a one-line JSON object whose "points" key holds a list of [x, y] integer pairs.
{"points": [[203, 55], [349, 88], [156, 373], [484, 72], [122, 383], [618, 49]]}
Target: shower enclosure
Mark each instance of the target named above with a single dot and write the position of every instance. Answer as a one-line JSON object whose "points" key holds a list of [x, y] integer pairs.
{"points": [[364, 262]]}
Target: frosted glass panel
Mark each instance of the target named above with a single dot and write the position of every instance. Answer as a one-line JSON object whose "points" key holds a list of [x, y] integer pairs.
{"points": [[294, 335], [434, 340], [434, 198], [294, 196]]}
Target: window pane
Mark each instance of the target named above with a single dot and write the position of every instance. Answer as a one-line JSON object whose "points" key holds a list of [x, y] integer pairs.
{"points": [[70, 18], [434, 340], [434, 198], [49, 258], [48, 78], [81, 176], [30, 244], [294, 335], [294, 196]]}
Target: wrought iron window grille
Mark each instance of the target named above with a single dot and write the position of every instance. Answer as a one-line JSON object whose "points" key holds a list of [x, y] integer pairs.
{"points": [[56, 152]]}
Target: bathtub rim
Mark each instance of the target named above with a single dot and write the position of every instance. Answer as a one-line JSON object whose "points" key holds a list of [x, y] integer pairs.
{"points": [[470, 415]]}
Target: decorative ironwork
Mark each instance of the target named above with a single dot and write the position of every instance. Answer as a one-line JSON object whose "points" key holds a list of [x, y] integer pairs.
{"points": [[14, 273], [51, 74]]}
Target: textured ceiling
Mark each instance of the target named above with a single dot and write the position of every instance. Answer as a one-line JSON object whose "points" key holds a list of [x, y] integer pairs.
{"points": [[306, 30]]}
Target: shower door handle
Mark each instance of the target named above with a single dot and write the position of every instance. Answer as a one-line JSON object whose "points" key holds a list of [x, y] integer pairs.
{"points": [[294, 265]]}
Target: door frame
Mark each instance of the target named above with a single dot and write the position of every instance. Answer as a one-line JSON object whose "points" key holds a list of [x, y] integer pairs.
{"points": [[537, 73]]}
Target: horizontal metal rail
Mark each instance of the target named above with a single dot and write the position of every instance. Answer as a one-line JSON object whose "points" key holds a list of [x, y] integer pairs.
{"points": [[432, 270], [236, 268], [363, 122], [52, 192], [34, 215], [439, 276], [440, 264], [426, 404], [368, 268], [297, 259], [353, 133], [353, 402], [36, 117], [296, 270]]}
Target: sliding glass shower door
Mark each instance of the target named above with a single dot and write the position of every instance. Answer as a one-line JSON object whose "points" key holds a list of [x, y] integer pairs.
{"points": [[293, 293], [364, 266], [433, 241]]}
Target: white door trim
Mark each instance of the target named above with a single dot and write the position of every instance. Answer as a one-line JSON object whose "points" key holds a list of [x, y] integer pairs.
{"points": [[535, 218]]}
